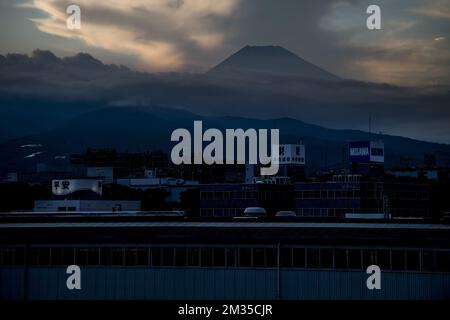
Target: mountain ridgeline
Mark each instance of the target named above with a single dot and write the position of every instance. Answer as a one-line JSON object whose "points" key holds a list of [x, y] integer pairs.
{"points": [[149, 128], [66, 105]]}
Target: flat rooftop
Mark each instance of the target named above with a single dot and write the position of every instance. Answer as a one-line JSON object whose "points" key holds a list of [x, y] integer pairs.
{"points": [[147, 229]]}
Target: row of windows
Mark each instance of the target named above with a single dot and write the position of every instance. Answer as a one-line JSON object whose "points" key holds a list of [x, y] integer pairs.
{"points": [[288, 159], [310, 258], [241, 195], [407, 195], [221, 212], [227, 195], [356, 194], [311, 194], [324, 212], [339, 212], [303, 212], [327, 194], [410, 212]]}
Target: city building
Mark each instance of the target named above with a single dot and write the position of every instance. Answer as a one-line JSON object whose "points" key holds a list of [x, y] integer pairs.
{"points": [[291, 164], [106, 174], [55, 168], [355, 194], [81, 195], [123, 164], [367, 158], [174, 186], [333, 198], [11, 177], [86, 206], [230, 200]]}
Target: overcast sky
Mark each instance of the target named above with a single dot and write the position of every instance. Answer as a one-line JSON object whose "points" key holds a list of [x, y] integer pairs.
{"points": [[192, 35]]}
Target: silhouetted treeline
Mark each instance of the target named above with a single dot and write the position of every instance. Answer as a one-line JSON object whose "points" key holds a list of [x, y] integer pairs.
{"points": [[20, 196]]}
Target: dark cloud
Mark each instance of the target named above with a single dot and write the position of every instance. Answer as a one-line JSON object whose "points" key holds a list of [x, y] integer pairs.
{"points": [[415, 112], [411, 53], [190, 35]]}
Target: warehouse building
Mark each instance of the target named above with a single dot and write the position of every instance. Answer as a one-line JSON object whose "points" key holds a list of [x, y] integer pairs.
{"points": [[129, 258]]}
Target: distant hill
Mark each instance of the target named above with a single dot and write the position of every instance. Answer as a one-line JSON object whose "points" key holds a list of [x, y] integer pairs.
{"points": [[41, 91], [274, 60], [69, 104], [141, 129]]}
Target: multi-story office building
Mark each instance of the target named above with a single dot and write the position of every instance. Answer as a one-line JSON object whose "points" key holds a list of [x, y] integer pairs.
{"points": [[329, 199], [291, 164], [355, 195], [222, 200]]}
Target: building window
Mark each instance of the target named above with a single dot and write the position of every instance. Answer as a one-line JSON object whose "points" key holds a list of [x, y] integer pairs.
{"points": [[207, 257], [383, 259], [167, 256], [68, 256], [443, 261], [370, 258], [429, 263], [231, 256], [44, 256], [56, 256], [245, 257], [340, 259], [219, 257], [131, 256], [298, 258], [7, 256], [271, 257], [326, 258], [286, 257], [412, 260], [105, 256], [193, 257], [398, 260], [258, 257], [156, 256], [180, 257], [312, 258], [117, 256], [354, 259]]}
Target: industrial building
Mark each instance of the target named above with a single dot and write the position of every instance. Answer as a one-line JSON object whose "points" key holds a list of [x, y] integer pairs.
{"points": [[138, 257], [174, 186], [230, 200], [354, 194], [82, 195], [45, 206]]}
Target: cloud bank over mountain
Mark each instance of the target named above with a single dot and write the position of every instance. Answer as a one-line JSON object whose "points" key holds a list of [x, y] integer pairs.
{"points": [[191, 35], [42, 90]]}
